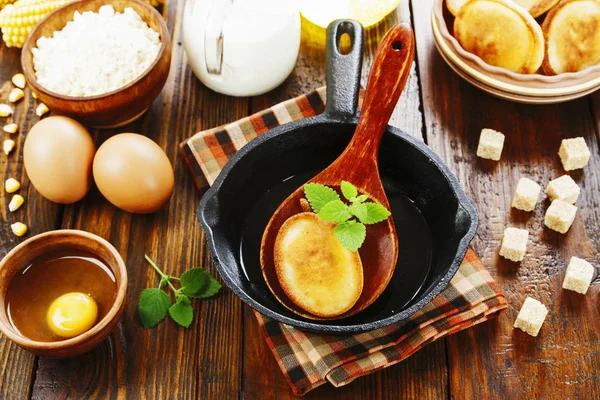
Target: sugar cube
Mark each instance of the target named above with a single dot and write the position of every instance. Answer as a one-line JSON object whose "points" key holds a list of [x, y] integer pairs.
{"points": [[514, 244], [563, 188], [491, 143], [560, 216], [578, 276], [574, 153], [531, 317], [526, 195]]}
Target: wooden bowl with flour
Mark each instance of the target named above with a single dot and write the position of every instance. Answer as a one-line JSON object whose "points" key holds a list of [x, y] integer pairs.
{"points": [[117, 107]]}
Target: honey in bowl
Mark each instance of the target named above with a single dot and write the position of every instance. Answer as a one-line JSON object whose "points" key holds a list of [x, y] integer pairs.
{"points": [[60, 295]]}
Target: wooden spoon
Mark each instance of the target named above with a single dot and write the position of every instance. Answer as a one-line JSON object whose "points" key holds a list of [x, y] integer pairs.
{"points": [[358, 165]]}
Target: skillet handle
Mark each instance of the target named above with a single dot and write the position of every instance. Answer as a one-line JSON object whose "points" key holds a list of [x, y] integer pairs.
{"points": [[343, 71]]}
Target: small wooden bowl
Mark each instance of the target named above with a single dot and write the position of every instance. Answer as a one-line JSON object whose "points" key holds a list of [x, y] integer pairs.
{"points": [[22, 256], [119, 106]]}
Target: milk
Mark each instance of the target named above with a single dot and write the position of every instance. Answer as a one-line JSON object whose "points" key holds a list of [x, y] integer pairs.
{"points": [[241, 47]]}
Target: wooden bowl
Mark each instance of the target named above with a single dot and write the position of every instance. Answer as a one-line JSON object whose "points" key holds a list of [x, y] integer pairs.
{"points": [[501, 82], [22, 256], [119, 106]]}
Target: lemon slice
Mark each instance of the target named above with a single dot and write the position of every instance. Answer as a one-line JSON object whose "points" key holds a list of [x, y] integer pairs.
{"points": [[367, 12]]}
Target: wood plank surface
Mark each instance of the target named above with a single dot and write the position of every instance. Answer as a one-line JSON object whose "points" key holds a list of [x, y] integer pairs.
{"points": [[493, 360], [167, 361], [40, 215], [224, 356]]}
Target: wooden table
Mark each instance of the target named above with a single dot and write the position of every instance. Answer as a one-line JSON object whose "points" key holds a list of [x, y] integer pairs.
{"points": [[223, 356]]}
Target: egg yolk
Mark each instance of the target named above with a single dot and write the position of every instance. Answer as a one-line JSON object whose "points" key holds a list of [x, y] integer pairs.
{"points": [[72, 314]]}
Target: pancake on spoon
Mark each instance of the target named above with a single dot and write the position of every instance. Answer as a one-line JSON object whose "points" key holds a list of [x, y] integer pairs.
{"points": [[572, 32], [314, 270], [536, 7], [502, 34]]}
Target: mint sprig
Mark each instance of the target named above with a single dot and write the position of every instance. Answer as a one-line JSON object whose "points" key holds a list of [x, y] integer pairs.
{"points": [[318, 195], [154, 303], [349, 218]]}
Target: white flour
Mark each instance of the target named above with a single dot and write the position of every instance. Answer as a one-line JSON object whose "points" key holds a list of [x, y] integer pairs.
{"points": [[95, 53]]}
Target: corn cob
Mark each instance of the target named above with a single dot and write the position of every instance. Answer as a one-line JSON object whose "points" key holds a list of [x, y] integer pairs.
{"points": [[4, 3], [16, 20]]}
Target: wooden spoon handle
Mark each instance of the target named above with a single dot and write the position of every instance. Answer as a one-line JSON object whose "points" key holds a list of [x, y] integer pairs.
{"points": [[387, 78]]}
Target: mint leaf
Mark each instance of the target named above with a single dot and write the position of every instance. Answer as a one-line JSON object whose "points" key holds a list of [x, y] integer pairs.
{"points": [[359, 210], [153, 306], [182, 313], [362, 198], [193, 280], [209, 289], [351, 234], [375, 213], [348, 190], [335, 211], [318, 195], [182, 298]]}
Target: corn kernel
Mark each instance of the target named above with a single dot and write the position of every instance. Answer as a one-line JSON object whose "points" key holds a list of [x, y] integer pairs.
{"points": [[19, 81], [19, 228], [15, 95], [10, 128], [12, 185], [16, 202], [5, 110], [8, 146], [41, 109], [34, 95]]}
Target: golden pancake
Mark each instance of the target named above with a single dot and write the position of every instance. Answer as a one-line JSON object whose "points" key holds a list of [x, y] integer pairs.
{"points": [[454, 6], [572, 32], [536, 7], [314, 270], [502, 34]]}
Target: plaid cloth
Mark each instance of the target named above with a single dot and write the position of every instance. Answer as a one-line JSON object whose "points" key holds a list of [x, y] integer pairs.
{"points": [[307, 359]]}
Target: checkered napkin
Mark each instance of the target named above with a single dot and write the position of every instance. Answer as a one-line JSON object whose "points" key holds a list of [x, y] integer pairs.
{"points": [[308, 359]]}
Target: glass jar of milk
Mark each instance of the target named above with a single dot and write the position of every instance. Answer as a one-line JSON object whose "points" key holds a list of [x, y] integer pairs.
{"points": [[241, 47]]}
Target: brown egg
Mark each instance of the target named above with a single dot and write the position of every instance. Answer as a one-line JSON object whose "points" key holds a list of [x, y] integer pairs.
{"points": [[58, 155], [133, 173]]}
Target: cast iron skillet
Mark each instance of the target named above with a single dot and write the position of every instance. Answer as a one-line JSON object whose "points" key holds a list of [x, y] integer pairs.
{"points": [[434, 218]]}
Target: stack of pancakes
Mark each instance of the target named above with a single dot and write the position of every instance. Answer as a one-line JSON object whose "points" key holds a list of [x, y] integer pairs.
{"points": [[505, 33]]}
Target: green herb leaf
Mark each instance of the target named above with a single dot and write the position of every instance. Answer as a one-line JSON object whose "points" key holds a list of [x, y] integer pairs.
{"points": [[182, 298], [153, 306], [211, 288], [193, 280], [362, 198], [182, 313], [374, 213], [359, 210], [335, 211], [348, 190], [351, 234], [318, 195]]}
